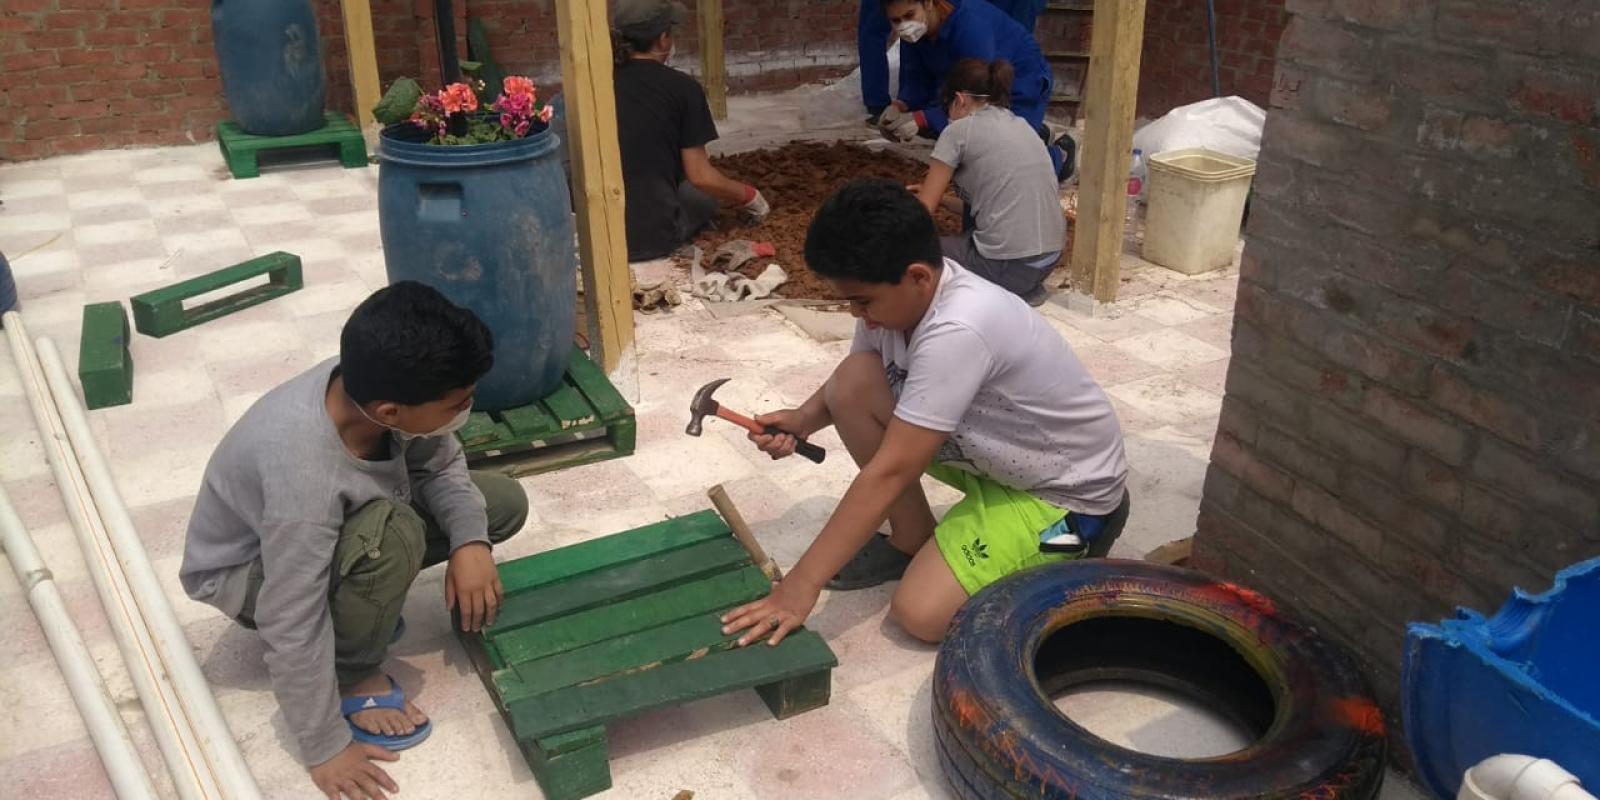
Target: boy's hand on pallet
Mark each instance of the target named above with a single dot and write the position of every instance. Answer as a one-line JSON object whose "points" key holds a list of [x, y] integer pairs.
{"points": [[774, 616], [472, 581]]}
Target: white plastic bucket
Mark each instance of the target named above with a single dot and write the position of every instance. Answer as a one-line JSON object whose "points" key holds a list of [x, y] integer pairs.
{"points": [[1196, 203]]}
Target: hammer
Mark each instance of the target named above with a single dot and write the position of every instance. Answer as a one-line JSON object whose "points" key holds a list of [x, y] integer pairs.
{"points": [[702, 405]]}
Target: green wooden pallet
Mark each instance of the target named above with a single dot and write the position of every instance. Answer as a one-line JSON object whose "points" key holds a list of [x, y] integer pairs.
{"points": [[241, 149], [584, 421], [624, 624]]}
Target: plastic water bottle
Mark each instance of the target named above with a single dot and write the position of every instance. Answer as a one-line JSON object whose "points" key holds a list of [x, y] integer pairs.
{"points": [[1135, 188]]}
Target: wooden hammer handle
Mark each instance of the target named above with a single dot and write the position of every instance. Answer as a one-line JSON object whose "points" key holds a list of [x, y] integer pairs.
{"points": [[741, 531]]}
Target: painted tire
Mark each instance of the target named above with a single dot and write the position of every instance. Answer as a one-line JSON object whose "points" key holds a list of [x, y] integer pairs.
{"points": [[1029, 637]]}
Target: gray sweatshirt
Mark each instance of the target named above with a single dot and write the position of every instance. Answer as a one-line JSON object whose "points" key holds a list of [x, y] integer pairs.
{"points": [[278, 489]]}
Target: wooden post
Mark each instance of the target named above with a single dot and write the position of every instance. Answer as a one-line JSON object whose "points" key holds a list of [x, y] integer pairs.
{"points": [[363, 58], [713, 68], [597, 176], [1109, 100]]}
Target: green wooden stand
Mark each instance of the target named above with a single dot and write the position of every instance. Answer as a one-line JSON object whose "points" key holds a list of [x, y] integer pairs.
{"points": [[161, 312], [624, 624], [583, 421], [240, 149], [105, 365]]}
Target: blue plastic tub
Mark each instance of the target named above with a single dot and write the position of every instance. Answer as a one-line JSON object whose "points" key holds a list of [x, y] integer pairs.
{"points": [[270, 58], [490, 226], [1522, 681]]}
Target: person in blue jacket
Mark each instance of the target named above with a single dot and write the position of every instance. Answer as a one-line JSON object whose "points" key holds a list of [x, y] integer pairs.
{"points": [[934, 35], [872, 39]]}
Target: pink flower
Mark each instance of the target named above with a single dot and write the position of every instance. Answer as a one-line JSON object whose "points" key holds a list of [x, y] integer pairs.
{"points": [[458, 97], [545, 114], [516, 85]]}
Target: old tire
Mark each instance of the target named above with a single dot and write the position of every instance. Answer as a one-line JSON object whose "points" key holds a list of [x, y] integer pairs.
{"points": [[1031, 636]]}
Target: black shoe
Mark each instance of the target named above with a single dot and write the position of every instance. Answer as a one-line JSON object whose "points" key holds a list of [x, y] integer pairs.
{"points": [[877, 562]]}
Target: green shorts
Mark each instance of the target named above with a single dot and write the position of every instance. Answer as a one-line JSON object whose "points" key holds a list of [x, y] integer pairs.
{"points": [[994, 530]]}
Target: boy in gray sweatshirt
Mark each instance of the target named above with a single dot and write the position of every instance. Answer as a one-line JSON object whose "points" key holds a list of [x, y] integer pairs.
{"points": [[325, 500]]}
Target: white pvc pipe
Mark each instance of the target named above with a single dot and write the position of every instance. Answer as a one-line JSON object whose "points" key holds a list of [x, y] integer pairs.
{"points": [[180, 749], [216, 739], [1514, 777], [110, 737]]}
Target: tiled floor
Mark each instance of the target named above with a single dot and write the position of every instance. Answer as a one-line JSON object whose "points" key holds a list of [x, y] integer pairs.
{"points": [[108, 225]]}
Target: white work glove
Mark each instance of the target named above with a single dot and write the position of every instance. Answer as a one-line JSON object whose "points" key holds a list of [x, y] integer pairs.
{"points": [[756, 210], [898, 125]]}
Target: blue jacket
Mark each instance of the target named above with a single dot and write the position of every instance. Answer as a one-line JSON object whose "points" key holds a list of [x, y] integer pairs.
{"points": [[976, 30]]}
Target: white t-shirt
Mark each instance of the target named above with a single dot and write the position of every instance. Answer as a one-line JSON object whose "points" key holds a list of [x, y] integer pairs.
{"points": [[1019, 407]]}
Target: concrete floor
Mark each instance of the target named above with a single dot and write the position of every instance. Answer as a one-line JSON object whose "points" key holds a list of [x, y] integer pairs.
{"points": [[108, 225]]}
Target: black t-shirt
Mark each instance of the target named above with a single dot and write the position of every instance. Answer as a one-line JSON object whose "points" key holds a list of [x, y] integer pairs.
{"points": [[660, 113]]}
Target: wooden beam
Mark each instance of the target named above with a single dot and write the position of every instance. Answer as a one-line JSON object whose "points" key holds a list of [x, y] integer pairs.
{"points": [[713, 69], [1109, 99], [597, 175], [363, 58]]}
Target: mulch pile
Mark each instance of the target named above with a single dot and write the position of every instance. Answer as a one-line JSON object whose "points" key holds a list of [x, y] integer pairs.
{"points": [[796, 179]]}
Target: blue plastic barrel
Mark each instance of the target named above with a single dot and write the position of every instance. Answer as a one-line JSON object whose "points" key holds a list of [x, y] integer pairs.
{"points": [[271, 63], [8, 286], [490, 226]]}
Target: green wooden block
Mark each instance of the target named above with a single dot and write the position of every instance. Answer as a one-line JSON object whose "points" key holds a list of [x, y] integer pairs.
{"points": [[802, 653], [614, 585], [694, 637], [105, 366], [481, 429], [589, 380], [567, 405], [242, 150], [575, 765], [622, 435], [608, 551], [529, 421], [631, 616], [161, 313], [787, 698]]}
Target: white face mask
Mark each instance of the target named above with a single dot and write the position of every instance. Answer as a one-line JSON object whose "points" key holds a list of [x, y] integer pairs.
{"points": [[911, 31], [455, 424]]}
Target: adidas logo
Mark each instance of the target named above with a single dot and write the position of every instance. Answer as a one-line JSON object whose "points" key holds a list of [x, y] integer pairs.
{"points": [[975, 551], [372, 702]]}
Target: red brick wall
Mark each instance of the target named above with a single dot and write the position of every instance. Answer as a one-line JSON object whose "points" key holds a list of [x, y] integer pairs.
{"points": [[1176, 69], [1411, 413], [85, 74]]}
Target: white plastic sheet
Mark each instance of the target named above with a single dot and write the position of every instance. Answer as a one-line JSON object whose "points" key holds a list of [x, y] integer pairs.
{"points": [[1230, 125]]}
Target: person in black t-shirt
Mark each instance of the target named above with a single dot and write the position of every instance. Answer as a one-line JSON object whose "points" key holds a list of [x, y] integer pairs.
{"points": [[663, 125]]}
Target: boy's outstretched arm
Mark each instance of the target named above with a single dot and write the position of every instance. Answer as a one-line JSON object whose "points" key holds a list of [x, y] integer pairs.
{"points": [[906, 451]]}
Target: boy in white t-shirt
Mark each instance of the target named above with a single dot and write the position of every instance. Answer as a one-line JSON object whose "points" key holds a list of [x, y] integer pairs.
{"points": [[952, 376]]}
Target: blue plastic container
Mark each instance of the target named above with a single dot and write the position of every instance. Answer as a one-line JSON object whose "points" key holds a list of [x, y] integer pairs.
{"points": [[1521, 682], [270, 58], [490, 226], [8, 286]]}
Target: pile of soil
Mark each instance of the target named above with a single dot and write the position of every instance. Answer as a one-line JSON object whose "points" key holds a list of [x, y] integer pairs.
{"points": [[795, 179]]}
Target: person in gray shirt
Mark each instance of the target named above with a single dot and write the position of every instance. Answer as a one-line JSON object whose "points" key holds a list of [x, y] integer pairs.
{"points": [[1013, 228], [323, 502]]}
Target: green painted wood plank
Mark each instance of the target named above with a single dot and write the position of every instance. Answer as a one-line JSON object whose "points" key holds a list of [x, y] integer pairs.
{"points": [[786, 698], [589, 380], [105, 366], [619, 583], [696, 636], [567, 405], [609, 551], [572, 774], [160, 312], [631, 616], [530, 422], [334, 126], [572, 740], [481, 429], [622, 435], [802, 653]]}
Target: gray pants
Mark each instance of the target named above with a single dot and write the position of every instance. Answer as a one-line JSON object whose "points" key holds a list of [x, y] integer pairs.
{"points": [[696, 209], [1020, 276], [381, 548]]}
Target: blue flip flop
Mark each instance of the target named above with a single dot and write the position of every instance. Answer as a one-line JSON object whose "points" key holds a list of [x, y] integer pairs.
{"points": [[396, 700]]}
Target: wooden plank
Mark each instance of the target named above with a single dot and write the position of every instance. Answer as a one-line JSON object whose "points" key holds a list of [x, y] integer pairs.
{"points": [[361, 54], [713, 68], [160, 312], [566, 563], [631, 616], [482, 429], [787, 698], [569, 408], [529, 421], [802, 653], [1110, 96], [597, 169], [589, 380], [518, 463], [580, 770], [105, 365], [1172, 553], [676, 641], [617, 584]]}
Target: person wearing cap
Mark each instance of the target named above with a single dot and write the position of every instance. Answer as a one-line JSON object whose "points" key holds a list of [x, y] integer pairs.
{"points": [[664, 124]]}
